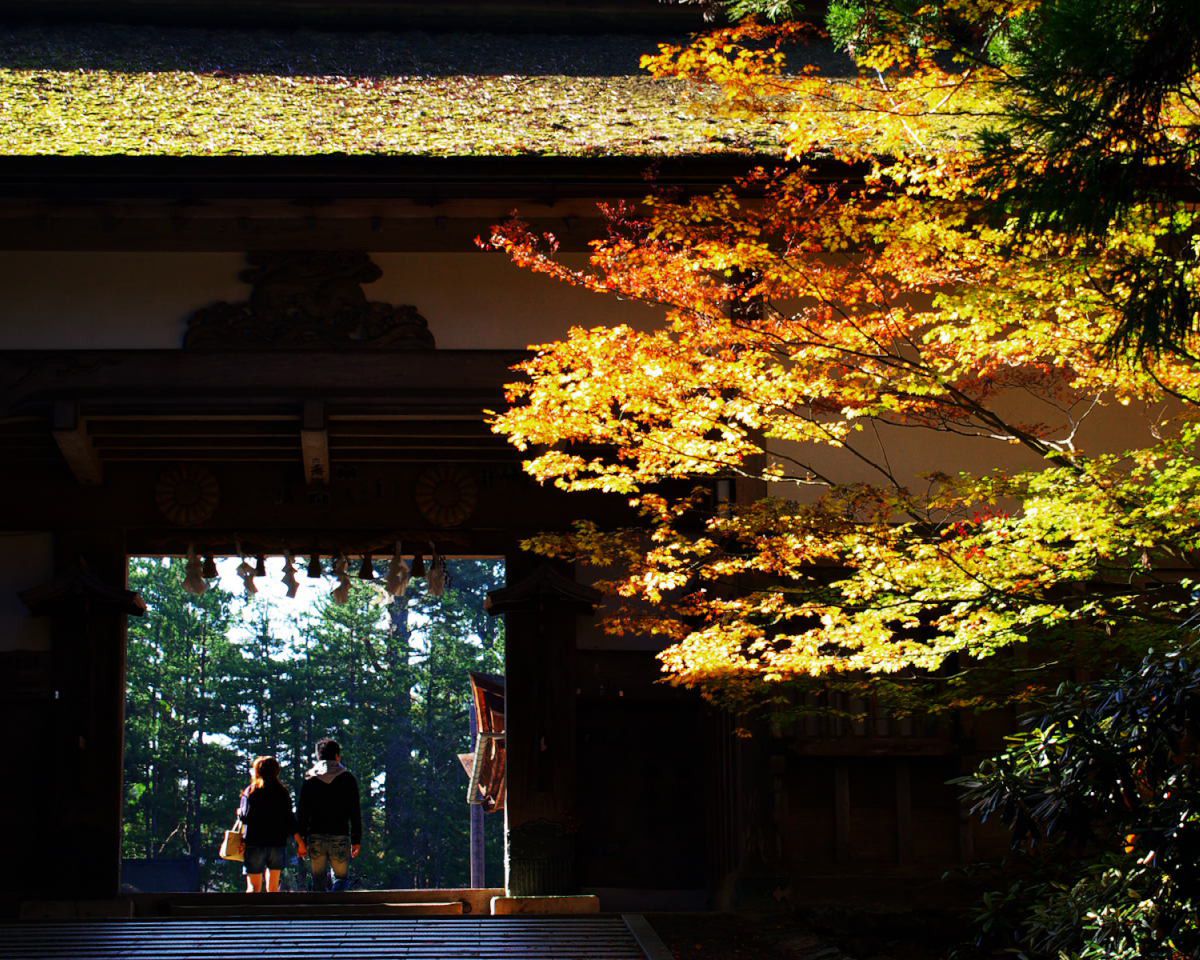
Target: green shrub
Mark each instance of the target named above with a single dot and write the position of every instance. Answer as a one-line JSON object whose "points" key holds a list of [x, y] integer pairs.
{"points": [[1102, 795]]}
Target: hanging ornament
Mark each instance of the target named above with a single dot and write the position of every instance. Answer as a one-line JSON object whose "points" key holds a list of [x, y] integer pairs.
{"points": [[289, 576], [435, 579], [246, 572], [418, 565], [398, 574], [193, 581], [314, 566], [366, 570], [260, 566], [341, 593], [210, 568]]}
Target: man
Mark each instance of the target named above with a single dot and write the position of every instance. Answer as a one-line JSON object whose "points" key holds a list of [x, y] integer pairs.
{"points": [[330, 817]]}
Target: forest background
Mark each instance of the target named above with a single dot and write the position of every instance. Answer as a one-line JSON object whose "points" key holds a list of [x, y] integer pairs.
{"points": [[215, 680]]}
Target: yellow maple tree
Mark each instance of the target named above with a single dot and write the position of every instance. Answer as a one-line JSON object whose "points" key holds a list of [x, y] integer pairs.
{"points": [[917, 264]]}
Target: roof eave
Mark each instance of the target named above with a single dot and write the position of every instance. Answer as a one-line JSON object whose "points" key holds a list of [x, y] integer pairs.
{"points": [[344, 176]]}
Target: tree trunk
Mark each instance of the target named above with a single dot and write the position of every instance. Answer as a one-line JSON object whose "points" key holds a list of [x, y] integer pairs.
{"points": [[398, 792], [197, 778]]}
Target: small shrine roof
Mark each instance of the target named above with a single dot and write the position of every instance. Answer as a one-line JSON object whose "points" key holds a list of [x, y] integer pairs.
{"points": [[94, 90], [544, 587]]}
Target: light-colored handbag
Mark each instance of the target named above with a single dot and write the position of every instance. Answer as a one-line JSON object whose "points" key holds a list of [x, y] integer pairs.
{"points": [[233, 846]]}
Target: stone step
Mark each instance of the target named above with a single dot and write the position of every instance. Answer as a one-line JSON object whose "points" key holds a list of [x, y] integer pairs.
{"points": [[333, 908]]}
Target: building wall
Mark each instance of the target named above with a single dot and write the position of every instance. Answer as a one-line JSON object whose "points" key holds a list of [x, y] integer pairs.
{"points": [[92, 300], [910, 453], [57, 300]]}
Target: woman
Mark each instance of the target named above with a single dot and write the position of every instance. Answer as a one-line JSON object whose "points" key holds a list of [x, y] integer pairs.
{"points": [[267, 819]]}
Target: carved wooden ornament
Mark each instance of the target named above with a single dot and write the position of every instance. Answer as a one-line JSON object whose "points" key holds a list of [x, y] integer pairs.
{"points": [[446, 496], [305, 300], [187, 495]]}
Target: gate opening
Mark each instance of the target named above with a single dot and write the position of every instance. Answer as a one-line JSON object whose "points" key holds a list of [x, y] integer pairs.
{"points": [[238, 658]]}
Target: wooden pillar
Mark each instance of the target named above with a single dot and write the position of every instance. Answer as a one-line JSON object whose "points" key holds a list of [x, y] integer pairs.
{"points": [[841, 811], [904, 824], [478, 855], [88, 604], [540, 611], [727, 842]]}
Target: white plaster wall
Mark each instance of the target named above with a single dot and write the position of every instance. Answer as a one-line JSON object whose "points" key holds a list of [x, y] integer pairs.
{"points": [[911, 452], [481, 301], [26, 560], [87, 301], [90, 300]]}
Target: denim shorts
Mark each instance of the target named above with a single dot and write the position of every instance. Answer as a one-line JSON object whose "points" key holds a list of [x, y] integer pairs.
{"points": [[260, 858]]}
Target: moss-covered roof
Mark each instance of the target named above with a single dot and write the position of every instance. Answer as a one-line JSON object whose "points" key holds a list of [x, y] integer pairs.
{"points": [[186, 92]]}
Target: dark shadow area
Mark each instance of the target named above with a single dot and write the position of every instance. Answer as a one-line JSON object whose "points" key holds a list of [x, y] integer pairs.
{"points": [[828, 933]]}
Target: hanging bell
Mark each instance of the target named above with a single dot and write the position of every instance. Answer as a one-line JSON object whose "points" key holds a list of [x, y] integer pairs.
{"points": [[260, 566], [209, 570], [314, 566], [418, 565], [366, 570]]}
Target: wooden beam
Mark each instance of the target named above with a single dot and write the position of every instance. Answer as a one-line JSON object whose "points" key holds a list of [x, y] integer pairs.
{"points": [[423, 384], [431, 179], [71, 435], [161, 233], [314, 443]]}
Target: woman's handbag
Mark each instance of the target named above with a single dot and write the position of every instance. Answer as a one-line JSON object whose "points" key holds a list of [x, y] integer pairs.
{"points": [[233, 847]]}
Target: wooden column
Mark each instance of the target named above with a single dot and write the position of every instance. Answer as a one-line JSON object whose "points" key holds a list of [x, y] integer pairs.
{"points": [[725, 807], [841, 811], [904, 821], [540, 611], [478, 855], [89, 605]]}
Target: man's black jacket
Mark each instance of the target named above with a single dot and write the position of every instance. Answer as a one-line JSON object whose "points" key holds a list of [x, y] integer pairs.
{"points": [[329, 803]]}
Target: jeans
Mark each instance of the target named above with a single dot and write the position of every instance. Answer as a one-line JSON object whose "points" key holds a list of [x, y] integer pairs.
{"points": [[327, 851]]}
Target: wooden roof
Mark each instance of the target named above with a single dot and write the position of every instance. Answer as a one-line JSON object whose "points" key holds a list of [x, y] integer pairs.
{"points": [[545, 587], [138, 90]]}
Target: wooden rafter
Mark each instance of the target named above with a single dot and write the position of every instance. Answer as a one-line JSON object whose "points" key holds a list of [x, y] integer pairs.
{"points": [[71, 434]]}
